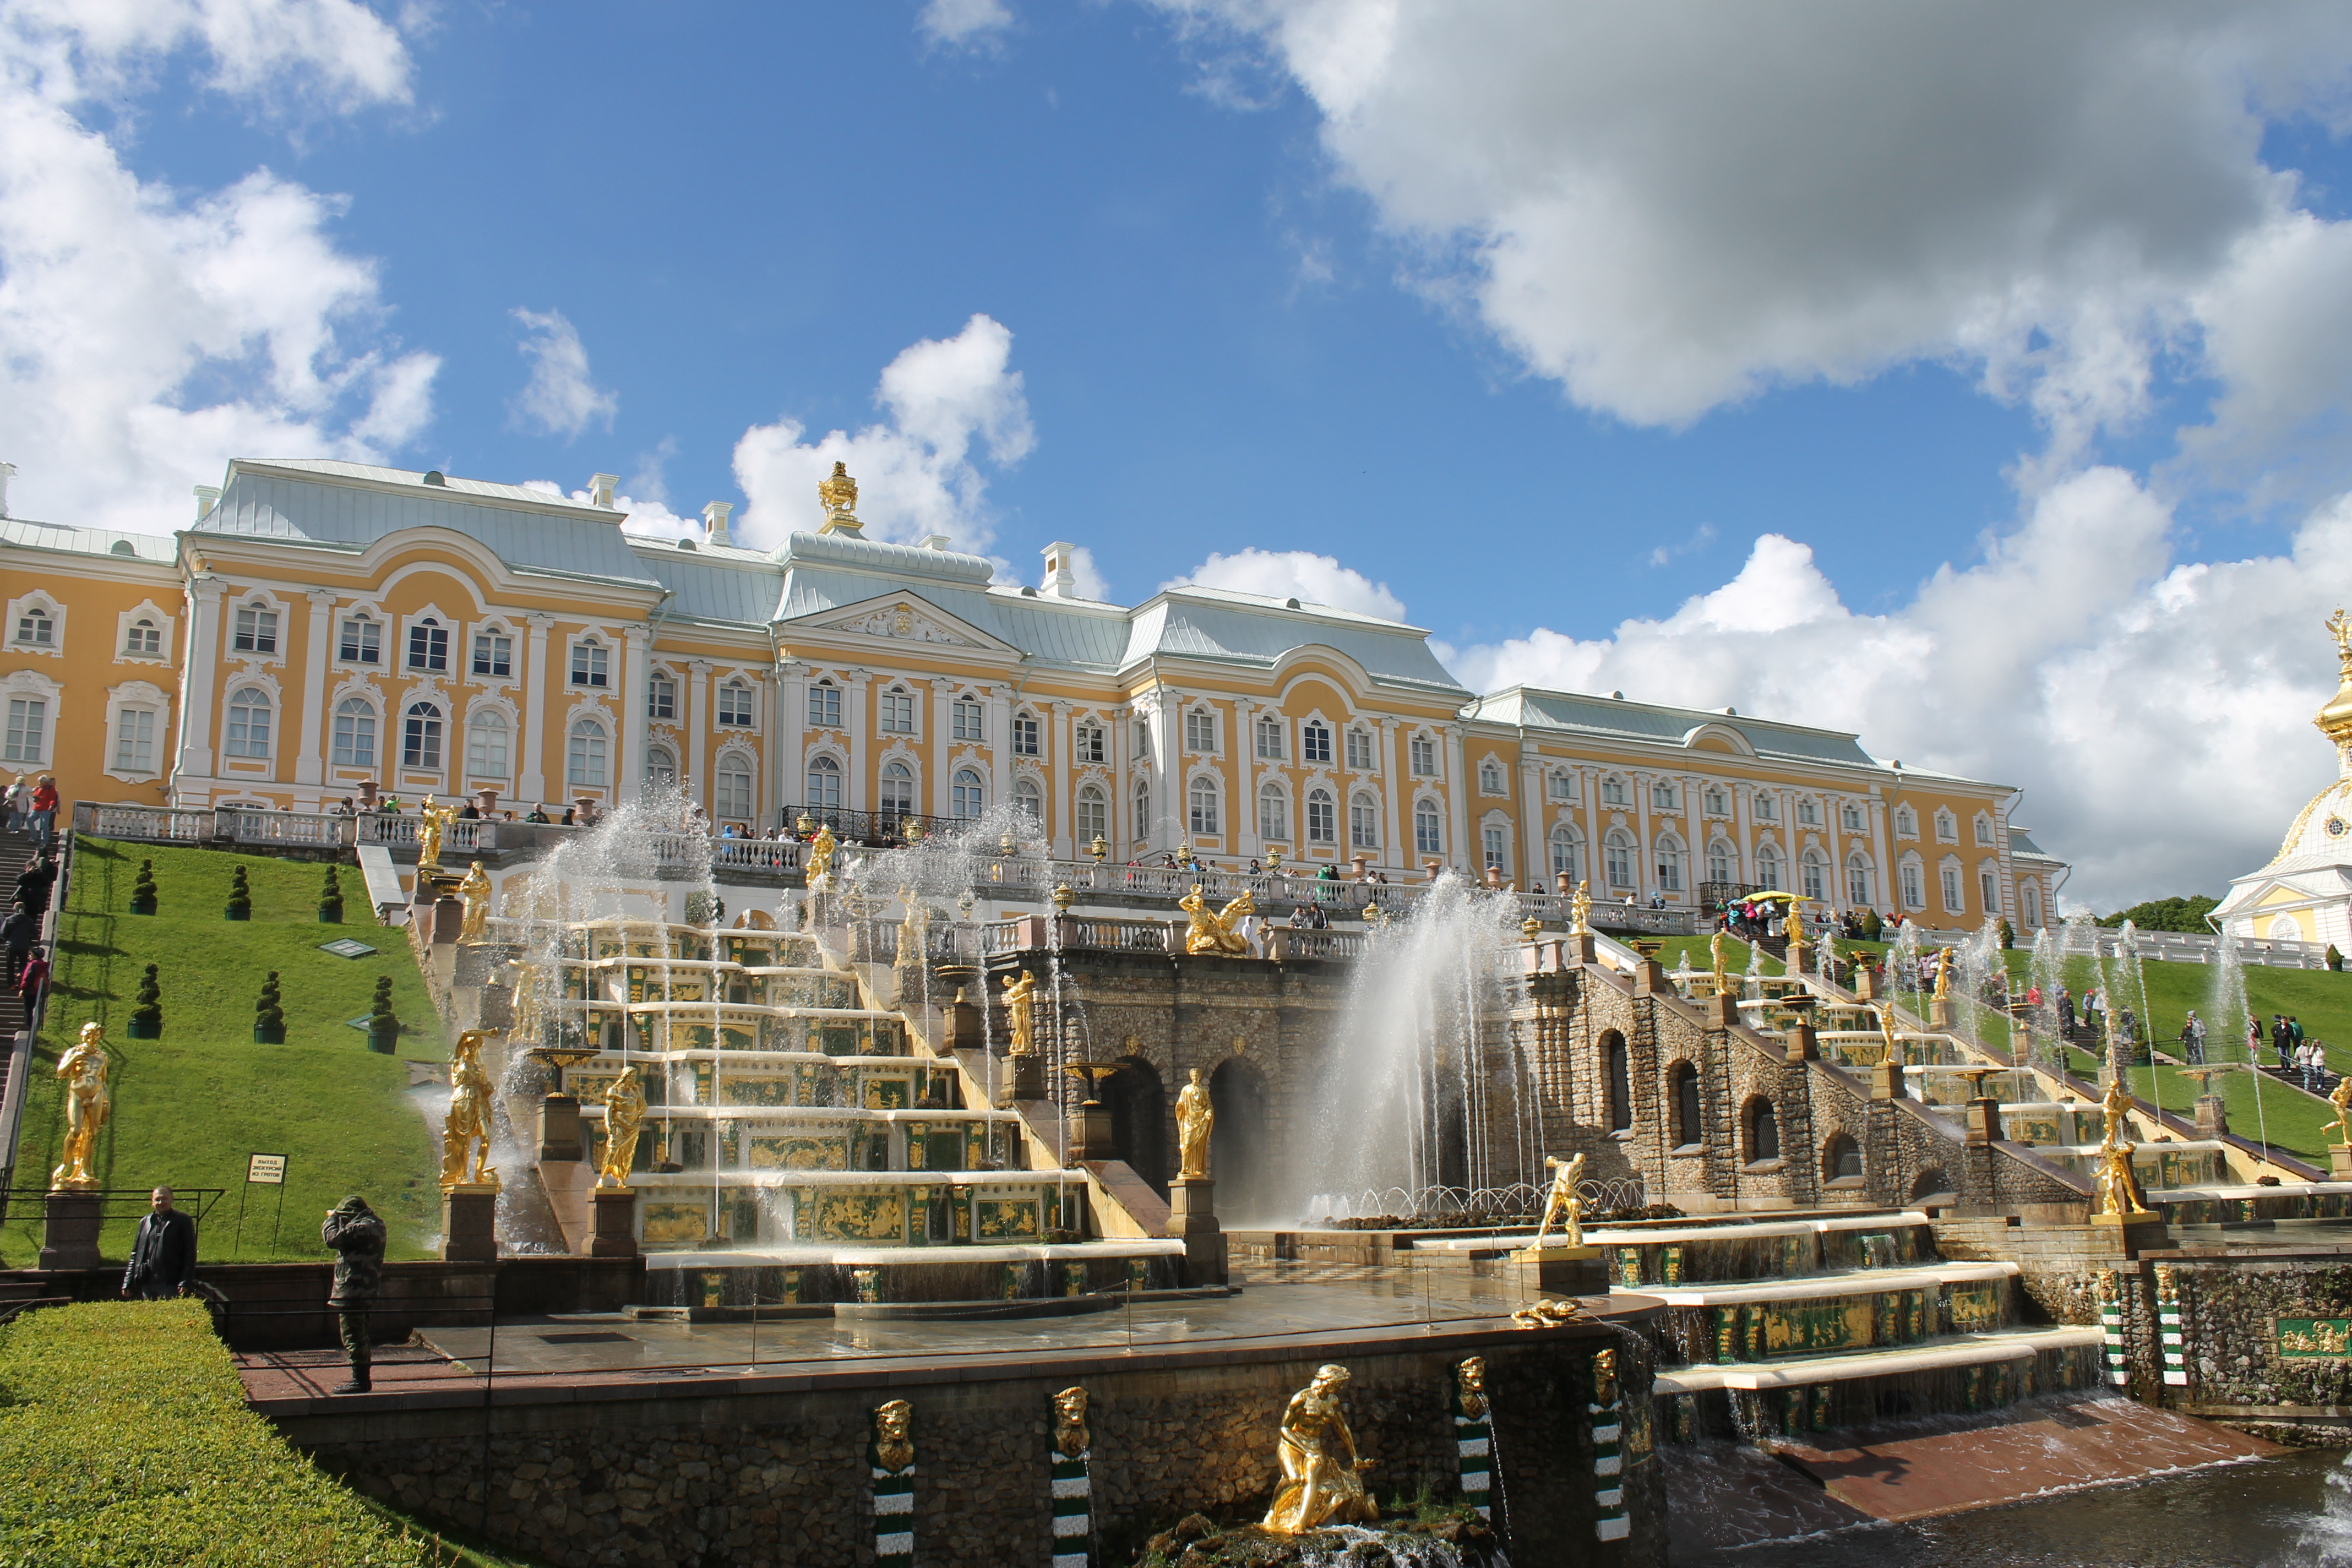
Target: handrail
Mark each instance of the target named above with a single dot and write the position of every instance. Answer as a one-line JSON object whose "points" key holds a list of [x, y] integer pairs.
{"points": [[20, 1053]]}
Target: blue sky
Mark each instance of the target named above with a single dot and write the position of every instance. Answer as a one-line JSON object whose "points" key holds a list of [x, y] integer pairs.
{"points": [[1958, 378]]}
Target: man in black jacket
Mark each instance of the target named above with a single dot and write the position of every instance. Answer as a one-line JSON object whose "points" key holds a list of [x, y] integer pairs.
{"points": [[356, 1234], [163, 1255]]}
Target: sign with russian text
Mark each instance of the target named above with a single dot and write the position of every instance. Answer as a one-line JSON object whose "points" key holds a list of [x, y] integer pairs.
{"points": [[266, 1170]]}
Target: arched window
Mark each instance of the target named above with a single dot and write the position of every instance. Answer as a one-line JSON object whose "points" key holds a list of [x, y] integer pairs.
{"points": [[823, 784], [1031, 800], [1689, 1127], [1948, 827], [1428, 831], [1914, 884], [1767, 865], [661, 767], [966, 797], [1842, 1158], [1202, 801], [354, 733], [143, 638], [1322, 817], [587, 754], [1948, 875], [248, 734], [1315, 741], [1143, 823], [1495, 847], [735, 706], [1093, 816], [428, 646], [897, 789], [1722, 861], [1617, 849], [731, 800], [36, 628], [1364, 822], [1762, 1128], [1565, 860], [1490, 777], [1272, 815], [1811, 866], [1989, 887], [2029, 896], [486, 745], [1861, 888], [1670, 857], [420, 738], [1984, 829], [1617, 1070]]}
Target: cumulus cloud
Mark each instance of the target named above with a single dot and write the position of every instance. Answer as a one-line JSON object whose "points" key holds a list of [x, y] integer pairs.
{"points": [[964, 24], [147, 334], [1299, 575], [561, 398], [2156, 714], [918, 470], [1670, 208]]}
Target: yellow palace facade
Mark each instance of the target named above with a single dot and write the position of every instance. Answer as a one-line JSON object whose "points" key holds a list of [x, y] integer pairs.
{"points": [[324, 626]]}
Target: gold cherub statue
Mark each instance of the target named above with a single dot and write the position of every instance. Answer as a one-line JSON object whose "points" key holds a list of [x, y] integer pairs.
{"points": [[1322, 1479], [476, 890], [624, 1121], [1215, 934], [1020, 1012], [1071, 1439], [1196, 1120], [1563, 1205], [88, 1104], [467, 1128]]}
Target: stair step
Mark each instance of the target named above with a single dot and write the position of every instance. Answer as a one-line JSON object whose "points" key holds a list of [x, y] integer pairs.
{"points": [[1969, 1350], [1815, 1287]]}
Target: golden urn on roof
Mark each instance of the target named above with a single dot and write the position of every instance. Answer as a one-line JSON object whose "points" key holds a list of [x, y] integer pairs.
{"points": [[838, 494]]}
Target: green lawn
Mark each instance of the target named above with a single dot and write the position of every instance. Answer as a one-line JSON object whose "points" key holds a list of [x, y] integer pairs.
{"points": [[189, 1107]]}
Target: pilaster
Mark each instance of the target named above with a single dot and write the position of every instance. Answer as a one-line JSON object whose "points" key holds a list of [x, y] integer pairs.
{"points": [[788, 739], [310, 764], [197, 698], [698, 732], [531, 787], [636, 693]]}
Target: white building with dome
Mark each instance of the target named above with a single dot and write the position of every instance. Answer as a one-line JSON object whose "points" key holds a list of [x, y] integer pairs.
{"points": [[2305, 894]]}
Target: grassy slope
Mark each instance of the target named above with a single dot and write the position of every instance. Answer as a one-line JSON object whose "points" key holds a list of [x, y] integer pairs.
{"points": [[190, 1107]]}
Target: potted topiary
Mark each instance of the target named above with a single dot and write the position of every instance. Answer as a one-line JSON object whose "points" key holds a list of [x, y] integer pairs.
{"points": [[268, 1016], [2335, 959], [330, 900], [147, 1015], [1873, 928], [240, 898], [142, 891], [384, 1029]]}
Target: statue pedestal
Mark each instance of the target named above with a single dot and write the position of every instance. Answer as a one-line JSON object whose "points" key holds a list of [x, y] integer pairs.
{"points": [[616, 1224], [1982, 1119], [1192, 1219], [1024, 1077], [2136, 1232], [1887, 1081], [1090, 1135], [2339, 1161], [2213, 1121], [69, 1230], [1865, 984], [1577, 948], [1554, 1270], [1939, 1014], [1721, 1012], [558, 1127], [469, 1224], [449, 920]]}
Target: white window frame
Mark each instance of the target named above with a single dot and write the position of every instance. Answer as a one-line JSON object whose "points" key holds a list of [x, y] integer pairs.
{"points": [[1325, 830], [1360, 750], [1490, 776], [479, 655], [1273, 812], [1428, 827], [342, 748], [242, 747], [359, 650], [896, 712], [898, 788], [1090, 744], [1201, 730], [823, 705], [1617, 855], [587, 754], [1567, 851], [256, 605], [825, 778], [52, 618], [967, 795], [587, 666], [736, 706], [734, 788], [968, 720], [417, 641], [1029, 799], [1423, 755], [1315, 749], [1204, 806], [481, 724], [1268, 730], [1028, 734], [1364, 822], [158, 622], [1092, 816], [431, 731], [661, 696]]}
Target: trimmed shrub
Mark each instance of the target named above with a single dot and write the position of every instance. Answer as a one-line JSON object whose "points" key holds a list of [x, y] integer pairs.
{"points": [[240, 898], [129, 1445], [383, 1028], [1873, 928], [142, 891], [2007, 934], [330, 900], [2335, 959], [147, 1014], [269, 1015]]}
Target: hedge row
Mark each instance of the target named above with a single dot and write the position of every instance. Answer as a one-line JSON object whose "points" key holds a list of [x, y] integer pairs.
{"points": [[125, 1440]]}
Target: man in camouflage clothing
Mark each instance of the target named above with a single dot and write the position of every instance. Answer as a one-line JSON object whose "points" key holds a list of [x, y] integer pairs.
{"points": [[356, 1234]]}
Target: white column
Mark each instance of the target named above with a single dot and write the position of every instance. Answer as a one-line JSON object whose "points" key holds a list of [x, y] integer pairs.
{"points": [[636, 693], [199, 672], [788, 743], [939, 745], [999, 740], [1061, 760], [1596, 831], [309, 766], [1533, 840], [698, 730], [1460, 850], [1396, 778], [531, 787], [1644, 877], [1246, 840], [858, 716]]}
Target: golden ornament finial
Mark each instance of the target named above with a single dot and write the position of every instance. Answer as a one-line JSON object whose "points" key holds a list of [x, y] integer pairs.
{"points": [[2335, 721], [838, 494], [2339, 626]]}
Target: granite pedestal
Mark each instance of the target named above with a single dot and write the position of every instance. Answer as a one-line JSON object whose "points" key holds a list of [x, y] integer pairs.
{"points": [[69, 1230], [1192, 1219], [615, 1234], [469, 1224]]}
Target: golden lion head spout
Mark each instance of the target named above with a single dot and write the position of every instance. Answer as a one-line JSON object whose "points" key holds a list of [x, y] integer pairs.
{"points": [[1071, 1438], [894, 1441]]}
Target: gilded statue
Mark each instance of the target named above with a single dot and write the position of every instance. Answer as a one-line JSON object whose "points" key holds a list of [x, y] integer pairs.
{"points": [[2339, 627], [820, 855], [1071, 1439], [2118, 1185], [1580, 911], [1470, 1388], [1547, 1313], [2341, 1098], [476, 890], [1894, 1047], [431, 822], [837, 493], [1605, 1378], [2112, 1106], [1020, 1011], [1944, 976], [1714, 956], [1195, 1119], [914, 931], [625, 1120], [1215, 934], [1563, 1205], [1322, 1479], [894, 1439], [466, 1129], [88, 1104]]}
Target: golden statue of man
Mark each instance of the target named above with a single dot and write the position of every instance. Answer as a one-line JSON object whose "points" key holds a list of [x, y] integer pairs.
{"points": [[1214, 932], [2118, 1185], [820, 855], [625, 1120], [1580, 911], [2113, 1106], [431, 822], [1020, 1011], [1322, 1479], [1563, 1206], [1893, 1046], [467, 1128], [1714, 956], [2341, 1098], [88, 1104], [1944, 975], [476, 890], [1196, 1119]]}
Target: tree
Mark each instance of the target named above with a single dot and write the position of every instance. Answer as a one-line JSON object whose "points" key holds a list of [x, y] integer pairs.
{"points": [[2180, 914], [240, 897], [147, 1014]]}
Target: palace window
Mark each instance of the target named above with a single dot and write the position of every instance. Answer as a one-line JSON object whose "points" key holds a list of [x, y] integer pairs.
{"points": [[248, 734], [1990, 886], [1715, 802], [1662, 796], [1951, 889], [493, 654], [1322, 817], [1428, 830], [967, 721], [1272, 815], [1315, 743], [735, 706], [1564, 858], [1915, 890], [1490, 777], [134, 741], [1618, 851], [1364, 823], [1810, 873], [1563, 784], [587, 754], [1670, 863], [1984, 829], [486, 745], [1026, 736], [1807, 811], [1612, 791], [428, 646], [824, 784], [1766, 808], [1858, 885], [1269, 738], [2030, 898], [1722, 865], [661, 696], [1142, 810], [1030, 801], [897, 713], [257, 629], [897, 789], [588, 663], [1948, 827], [1495, 847], [361, 642], [1094, 815], [1767, 865], [966, 797], [732, 800], [1425, 757], [27, 733], [354, 733], [420, 738], [1850, 816], [36, 628], [143, 638], [661, 767], [824, 706], [1906, 822], [1202, 800], [1360, 751], [1088, 742], [1200, 731]]}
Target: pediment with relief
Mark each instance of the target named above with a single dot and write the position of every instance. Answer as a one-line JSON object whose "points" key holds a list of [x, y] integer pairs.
{"points": [[901, 620]]}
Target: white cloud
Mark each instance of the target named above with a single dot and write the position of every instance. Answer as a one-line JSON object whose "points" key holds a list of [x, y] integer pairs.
{"points": [[1668, 208], [965, 24], [651, 517], [917, 472], [148, 334], [561, 398], [2156, 715], [1299, 575]]}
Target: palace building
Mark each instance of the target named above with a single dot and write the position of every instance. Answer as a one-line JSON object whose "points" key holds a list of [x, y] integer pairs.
{"points": [[2305, 894], [320, 626]]}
